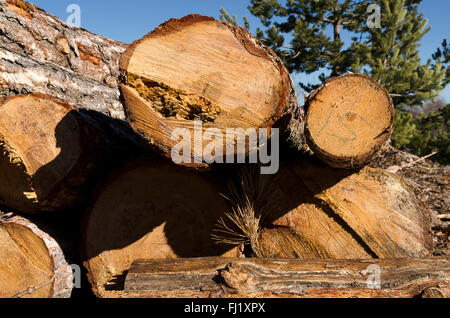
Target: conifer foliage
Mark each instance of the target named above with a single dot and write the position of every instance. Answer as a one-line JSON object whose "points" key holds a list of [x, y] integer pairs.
{"points": [[380, 39]]}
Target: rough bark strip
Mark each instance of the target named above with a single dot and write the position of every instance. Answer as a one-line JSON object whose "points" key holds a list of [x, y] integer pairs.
{"points": [[239, 278], [41, 54], [53, 154]]}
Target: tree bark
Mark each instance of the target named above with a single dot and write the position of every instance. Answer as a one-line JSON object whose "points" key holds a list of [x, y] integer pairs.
{"points": [[199, 69], [267, 278], [41, 54], [32, 265]]}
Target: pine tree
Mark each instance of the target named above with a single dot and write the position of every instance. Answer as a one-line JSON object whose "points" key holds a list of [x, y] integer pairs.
{"points": [[424, 135], [442, 56], [224, 16], [306, 22], [405, 129], [388, 53], [392, 55]]}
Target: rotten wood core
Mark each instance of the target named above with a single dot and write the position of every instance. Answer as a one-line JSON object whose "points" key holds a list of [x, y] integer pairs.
{"points": [[199, 69], [268, 278], [32, 265], [349, 121]]}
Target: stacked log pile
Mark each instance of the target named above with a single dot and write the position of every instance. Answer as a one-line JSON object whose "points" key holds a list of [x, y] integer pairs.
{"points": [[86, 129]]}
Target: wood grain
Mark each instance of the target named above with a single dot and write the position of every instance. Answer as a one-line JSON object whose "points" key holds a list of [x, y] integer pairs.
{"points": [[349, 120], [151, 209], [344, 214], [196, 68], [52, 154], [32, 265], [262, 278]]}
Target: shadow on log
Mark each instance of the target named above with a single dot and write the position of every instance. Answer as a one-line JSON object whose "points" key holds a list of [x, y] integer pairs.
{"points": [[52, 155], [309, 211], [369, 213], [151, 209], [157, 210]]}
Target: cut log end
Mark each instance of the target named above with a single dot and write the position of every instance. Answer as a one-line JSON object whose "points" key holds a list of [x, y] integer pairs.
{"points": [[150, 210], [336, 214], [32, 265], [33, 130], [196, 68], [349, 120], [52, 154]]}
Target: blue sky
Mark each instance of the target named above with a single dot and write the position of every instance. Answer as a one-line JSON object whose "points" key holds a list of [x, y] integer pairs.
{"points": [[129, 20]]}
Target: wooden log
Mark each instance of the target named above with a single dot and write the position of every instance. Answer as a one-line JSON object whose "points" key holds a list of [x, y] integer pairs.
{"points": [[268, 278], [32, 265], [50, 153], [39, 53], [344, 215], [151, 209], [199, 69], [349, 121], [311, 211]]}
